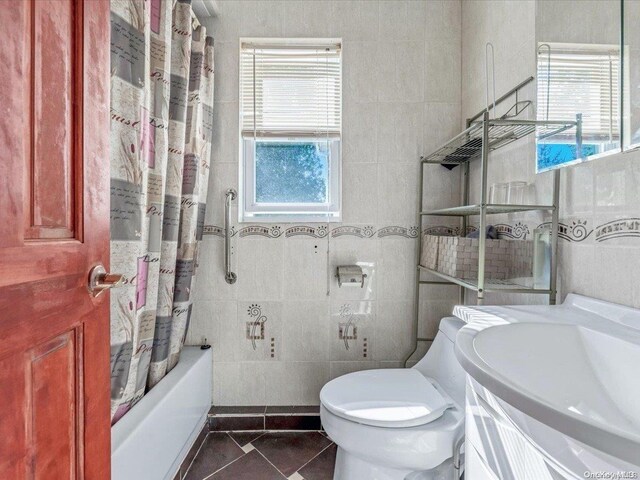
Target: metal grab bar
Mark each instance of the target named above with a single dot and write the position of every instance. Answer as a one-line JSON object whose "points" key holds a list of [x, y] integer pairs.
{"points": [[229, 276]]}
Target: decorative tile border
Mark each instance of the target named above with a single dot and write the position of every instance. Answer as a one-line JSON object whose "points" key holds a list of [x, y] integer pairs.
{"points": [[270, 231], [407, 232], [307, 231], [572, 231], [624, 228], [367, 231], [518, 231], [213, 230], [576, 231], [441, 230], [322, 231]]}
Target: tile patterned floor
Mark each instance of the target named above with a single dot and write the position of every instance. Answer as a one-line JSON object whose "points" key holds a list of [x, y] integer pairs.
{"points": [[264, 456]]}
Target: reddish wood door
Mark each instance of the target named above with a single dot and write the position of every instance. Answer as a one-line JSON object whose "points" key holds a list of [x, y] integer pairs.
{"points": [[54, 226]]}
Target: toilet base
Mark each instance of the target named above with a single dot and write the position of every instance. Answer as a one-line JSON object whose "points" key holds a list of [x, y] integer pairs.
{"points": [[350, 467]]}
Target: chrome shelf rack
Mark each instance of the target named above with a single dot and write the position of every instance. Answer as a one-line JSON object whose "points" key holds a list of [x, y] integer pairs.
{"points": [[482, 136]]}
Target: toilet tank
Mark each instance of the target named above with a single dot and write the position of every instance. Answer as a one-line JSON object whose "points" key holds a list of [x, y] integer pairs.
{"points": [[440, 361]]}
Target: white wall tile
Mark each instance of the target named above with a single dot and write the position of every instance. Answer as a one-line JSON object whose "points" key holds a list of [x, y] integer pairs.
{"points": [[308, 19], [260, 268], [360, 71], [402, 20], [305, 269], [441, 122], [217, 322], [342, 368], [360, 193], [224, 142], [394, 324], [262, 19], [393, 111], [401, 71], [226, 59], [400, 128], [359, 132], [442, 71], [239, 383], [295, 383], [399, 202], [305, 334], [356, 19], [434, 307], [396, 269]]}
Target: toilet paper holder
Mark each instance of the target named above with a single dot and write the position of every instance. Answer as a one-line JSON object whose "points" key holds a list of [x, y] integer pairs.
{"points": [[350, 275]]}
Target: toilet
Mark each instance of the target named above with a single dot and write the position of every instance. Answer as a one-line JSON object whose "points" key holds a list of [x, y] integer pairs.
{"points": [[399, 424]]}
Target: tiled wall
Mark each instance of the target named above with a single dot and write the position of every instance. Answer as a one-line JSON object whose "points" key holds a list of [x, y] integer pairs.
{"points": [[599, 249], [276, 333]]}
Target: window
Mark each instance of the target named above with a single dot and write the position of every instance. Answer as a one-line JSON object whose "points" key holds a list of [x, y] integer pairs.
{"points": [[290, 125], [578, 79]]}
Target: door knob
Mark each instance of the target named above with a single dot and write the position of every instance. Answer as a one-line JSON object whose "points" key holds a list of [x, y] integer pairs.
{"points": [[100, 280]]}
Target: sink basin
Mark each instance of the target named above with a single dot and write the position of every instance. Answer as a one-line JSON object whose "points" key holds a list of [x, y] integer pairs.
{"points": [[580, 381]]}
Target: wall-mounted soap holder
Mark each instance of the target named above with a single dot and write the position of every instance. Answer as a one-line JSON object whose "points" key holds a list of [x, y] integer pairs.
{"points": [[350, 276]]}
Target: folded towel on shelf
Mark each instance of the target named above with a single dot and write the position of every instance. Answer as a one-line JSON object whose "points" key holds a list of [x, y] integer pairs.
{"points": [[491, 233]]}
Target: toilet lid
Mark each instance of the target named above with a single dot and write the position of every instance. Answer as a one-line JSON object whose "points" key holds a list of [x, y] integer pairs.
{"points": [[392, 398]]}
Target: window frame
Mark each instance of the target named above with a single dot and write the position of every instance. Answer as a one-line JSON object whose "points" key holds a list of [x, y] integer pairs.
{"points": [[251, 211], [290, 212]]}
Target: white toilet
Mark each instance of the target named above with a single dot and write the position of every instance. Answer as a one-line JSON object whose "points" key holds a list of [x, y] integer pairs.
{"points": [[397, 424]]}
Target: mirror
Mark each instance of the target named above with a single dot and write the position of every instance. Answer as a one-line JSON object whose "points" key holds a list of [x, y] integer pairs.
{"points": [[578, 79], [631, 77]]}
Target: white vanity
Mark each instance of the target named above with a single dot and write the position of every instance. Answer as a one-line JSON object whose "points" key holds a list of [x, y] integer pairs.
{"points": [[553, 392]]}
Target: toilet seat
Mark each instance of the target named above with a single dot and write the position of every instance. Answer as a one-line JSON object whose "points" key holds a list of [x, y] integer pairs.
{"points": [[391, 398]]}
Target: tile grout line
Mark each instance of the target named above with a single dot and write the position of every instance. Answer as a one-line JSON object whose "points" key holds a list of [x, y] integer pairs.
{"points": [[263, 456], [316, 456], [182, 477], [251, 442], [225, 466]]}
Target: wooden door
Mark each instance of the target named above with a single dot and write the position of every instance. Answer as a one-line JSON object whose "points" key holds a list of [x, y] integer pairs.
{"points": [[54, 226]]}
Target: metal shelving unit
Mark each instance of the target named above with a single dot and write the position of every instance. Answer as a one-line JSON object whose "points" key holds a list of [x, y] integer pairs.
{"points": [[482, 136]]}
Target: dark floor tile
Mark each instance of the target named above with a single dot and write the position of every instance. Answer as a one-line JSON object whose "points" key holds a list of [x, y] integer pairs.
{"points": [[224, 424], [321, 467], [193, 450], [252, 466], [293, 410], [242, 438], [289, 451], [251, 410], [292, 422], [217, 451]]}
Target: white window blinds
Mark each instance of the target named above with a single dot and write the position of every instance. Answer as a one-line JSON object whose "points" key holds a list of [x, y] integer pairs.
{"points": [[581, 80], [290, 89]]}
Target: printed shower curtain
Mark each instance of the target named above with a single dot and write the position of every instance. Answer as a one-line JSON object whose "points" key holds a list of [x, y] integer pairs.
{"points": [[161, 124]]}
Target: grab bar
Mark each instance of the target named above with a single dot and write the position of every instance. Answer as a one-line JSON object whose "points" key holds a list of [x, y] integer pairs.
{"points": [[229, 276]]}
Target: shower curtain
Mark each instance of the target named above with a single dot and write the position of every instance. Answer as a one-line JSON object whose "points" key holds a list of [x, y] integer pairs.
{"points": [[160, 139]]}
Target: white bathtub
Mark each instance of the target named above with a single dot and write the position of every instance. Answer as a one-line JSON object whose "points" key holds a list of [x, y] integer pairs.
{"points": [[153, 438]]}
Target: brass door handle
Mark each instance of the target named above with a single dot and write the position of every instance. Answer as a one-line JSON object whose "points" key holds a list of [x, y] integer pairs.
{"points": [[100, 280]]}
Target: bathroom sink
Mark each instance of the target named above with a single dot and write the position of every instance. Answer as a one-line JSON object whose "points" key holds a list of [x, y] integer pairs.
{"points": [[583, 382]]}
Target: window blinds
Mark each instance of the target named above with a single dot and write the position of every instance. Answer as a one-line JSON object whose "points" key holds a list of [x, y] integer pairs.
{"points": [[581, 81], [290, 90]]}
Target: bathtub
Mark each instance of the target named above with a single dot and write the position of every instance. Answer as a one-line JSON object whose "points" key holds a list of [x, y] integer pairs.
{"points": [[153, 438]]}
